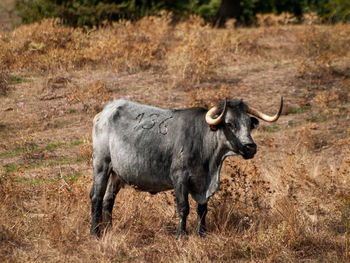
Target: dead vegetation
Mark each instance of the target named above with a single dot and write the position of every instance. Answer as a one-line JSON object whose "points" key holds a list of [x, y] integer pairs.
{"points": [[289, 204], [4, 83]]}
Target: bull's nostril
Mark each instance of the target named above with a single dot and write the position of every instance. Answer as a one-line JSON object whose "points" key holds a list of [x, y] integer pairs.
{"points": [[250, 146]]}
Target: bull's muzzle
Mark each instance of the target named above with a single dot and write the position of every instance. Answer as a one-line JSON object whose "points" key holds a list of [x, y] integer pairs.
{"points": [[249, 150]]}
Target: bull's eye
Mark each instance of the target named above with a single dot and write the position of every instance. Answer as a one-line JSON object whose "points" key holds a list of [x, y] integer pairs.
{"points": [[231, 125]]}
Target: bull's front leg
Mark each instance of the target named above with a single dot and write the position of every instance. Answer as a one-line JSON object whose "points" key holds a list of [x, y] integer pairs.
{"points": [[202, 210], [183, 208]]}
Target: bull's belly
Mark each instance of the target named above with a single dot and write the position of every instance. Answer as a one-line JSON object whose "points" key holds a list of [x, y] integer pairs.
{"points": [[141, 179], [150, 188], [144, 183]]}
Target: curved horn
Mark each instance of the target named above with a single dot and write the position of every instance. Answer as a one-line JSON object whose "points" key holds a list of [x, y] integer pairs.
{"points": [[209, 117], [265, 117]]}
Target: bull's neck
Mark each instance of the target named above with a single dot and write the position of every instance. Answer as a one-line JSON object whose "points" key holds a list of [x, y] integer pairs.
{"points": [[218, 149]]}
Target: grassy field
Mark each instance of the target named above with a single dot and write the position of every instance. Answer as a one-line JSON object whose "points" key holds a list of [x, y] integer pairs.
{"points": [[291, 203]]}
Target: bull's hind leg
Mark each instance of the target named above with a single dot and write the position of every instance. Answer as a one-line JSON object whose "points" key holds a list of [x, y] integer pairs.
{"points": [[113, 187], [102, 170]]}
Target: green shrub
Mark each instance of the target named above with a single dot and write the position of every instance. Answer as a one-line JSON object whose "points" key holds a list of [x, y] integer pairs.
{"points": [[91, 13], [36, 10], [81, 13], [331, 11]]}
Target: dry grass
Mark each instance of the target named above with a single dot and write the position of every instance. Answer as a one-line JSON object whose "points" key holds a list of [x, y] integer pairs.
{"points": [[4, 83], [323, 47], [289, 204]]}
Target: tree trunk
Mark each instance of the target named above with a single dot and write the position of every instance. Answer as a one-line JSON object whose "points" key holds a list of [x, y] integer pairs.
{"points": [[227, 9]]}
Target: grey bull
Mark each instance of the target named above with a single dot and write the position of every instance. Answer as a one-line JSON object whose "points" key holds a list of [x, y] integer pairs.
{"points": [[158, 149]]}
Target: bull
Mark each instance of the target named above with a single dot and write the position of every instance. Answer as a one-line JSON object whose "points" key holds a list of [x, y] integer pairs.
{"points": [[157, 149]]}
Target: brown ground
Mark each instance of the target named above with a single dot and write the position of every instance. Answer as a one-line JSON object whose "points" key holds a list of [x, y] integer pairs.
{"points": [[289, 204]]}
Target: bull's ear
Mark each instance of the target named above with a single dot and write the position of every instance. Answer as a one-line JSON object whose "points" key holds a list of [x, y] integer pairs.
{"points": [[253, 122]]}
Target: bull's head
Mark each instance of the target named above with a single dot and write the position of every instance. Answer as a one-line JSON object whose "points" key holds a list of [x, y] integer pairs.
{"points": [[236, 124]]}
